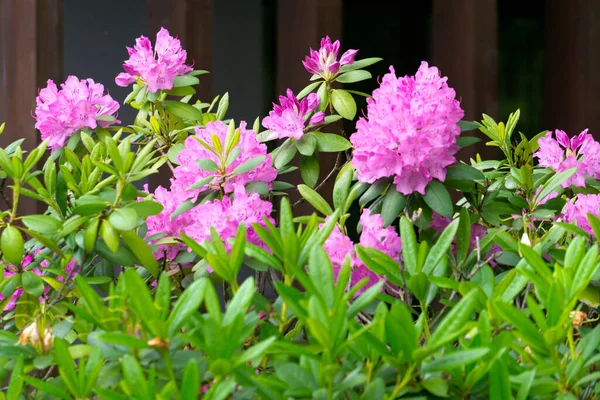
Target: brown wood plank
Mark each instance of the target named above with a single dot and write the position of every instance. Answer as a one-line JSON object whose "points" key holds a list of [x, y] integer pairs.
{"points": [[465, 48], [571, 65]]}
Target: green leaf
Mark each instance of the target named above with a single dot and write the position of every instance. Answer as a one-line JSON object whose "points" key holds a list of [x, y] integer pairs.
{"points": [[466, 141], [123, 219], [437, 197], [248, 165], [186, 305], [359, 64], [45, 387], [207, 164], [331, 143], [401, 332], [241, 301], [304, 92], [66, 366], [466, 126], [457, 359], [191, 381], [309, 170], [307, 144], [353, 76], [315, 199], [146, 208], [141, 251], [284, 154], [530, 335], [185, 80], [134, 375], [393, 204], [256, 352], [32, 284], [553, 184], [12, 245], [439, 249], [123, 339], [463, 238], [183, 110], [499, 381], [341, 187], [343, 103], [110, 236], [453, 323], [15, 384], [410, 248], [45, 224]]}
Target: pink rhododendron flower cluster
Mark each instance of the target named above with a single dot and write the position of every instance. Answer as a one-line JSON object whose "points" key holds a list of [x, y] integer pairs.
{"points": [[410, 131], [77, 105], [324, 62], [188, 172], [374, 235], [576, 210], [561, 153], [156, 68], [224, 215], [10, 270], [288, 118]]}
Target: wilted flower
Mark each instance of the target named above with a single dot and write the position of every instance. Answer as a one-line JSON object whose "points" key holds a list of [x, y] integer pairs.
{"points": [[77, 105], [410, 131], [156, 68], [324, 62], [288, 118], [576, 210], [188, 172], [374, 235], [560, 154]]}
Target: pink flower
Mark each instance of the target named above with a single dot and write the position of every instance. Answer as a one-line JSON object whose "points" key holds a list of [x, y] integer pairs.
{"points": [[77, 105], [576, 210], [410, 131], [224, 215], [188, 172], [288, 118], [374, 235], [156, 69], [560, 154], [324, 62]]}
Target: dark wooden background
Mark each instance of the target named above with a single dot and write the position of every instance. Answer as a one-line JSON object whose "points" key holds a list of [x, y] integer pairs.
{"points": [[463, 36]]}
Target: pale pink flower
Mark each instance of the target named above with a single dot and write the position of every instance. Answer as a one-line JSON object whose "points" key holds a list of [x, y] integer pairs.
{"points": [[561, 153], [188, 172], [324, 62], [77, 105], [576, 210], [410, 131], [288, 119], [155, 68]]}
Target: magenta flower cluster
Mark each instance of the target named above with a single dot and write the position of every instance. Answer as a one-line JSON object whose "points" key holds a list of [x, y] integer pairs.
{"points": [[410, 131], [188, 172], [576, 210], [374, 235], [10, 270], [288, 118], [324, 62], [561, 153], [226, 214], [77, 105], [156, 67]]}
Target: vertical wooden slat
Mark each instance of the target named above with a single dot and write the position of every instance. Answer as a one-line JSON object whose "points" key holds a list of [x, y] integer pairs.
{"points": [[571, 66], [300, 26], [191, 22], [465, 48]]}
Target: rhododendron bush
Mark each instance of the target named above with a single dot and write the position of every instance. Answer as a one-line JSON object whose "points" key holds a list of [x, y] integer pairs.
{"points": [[416, 273]]}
